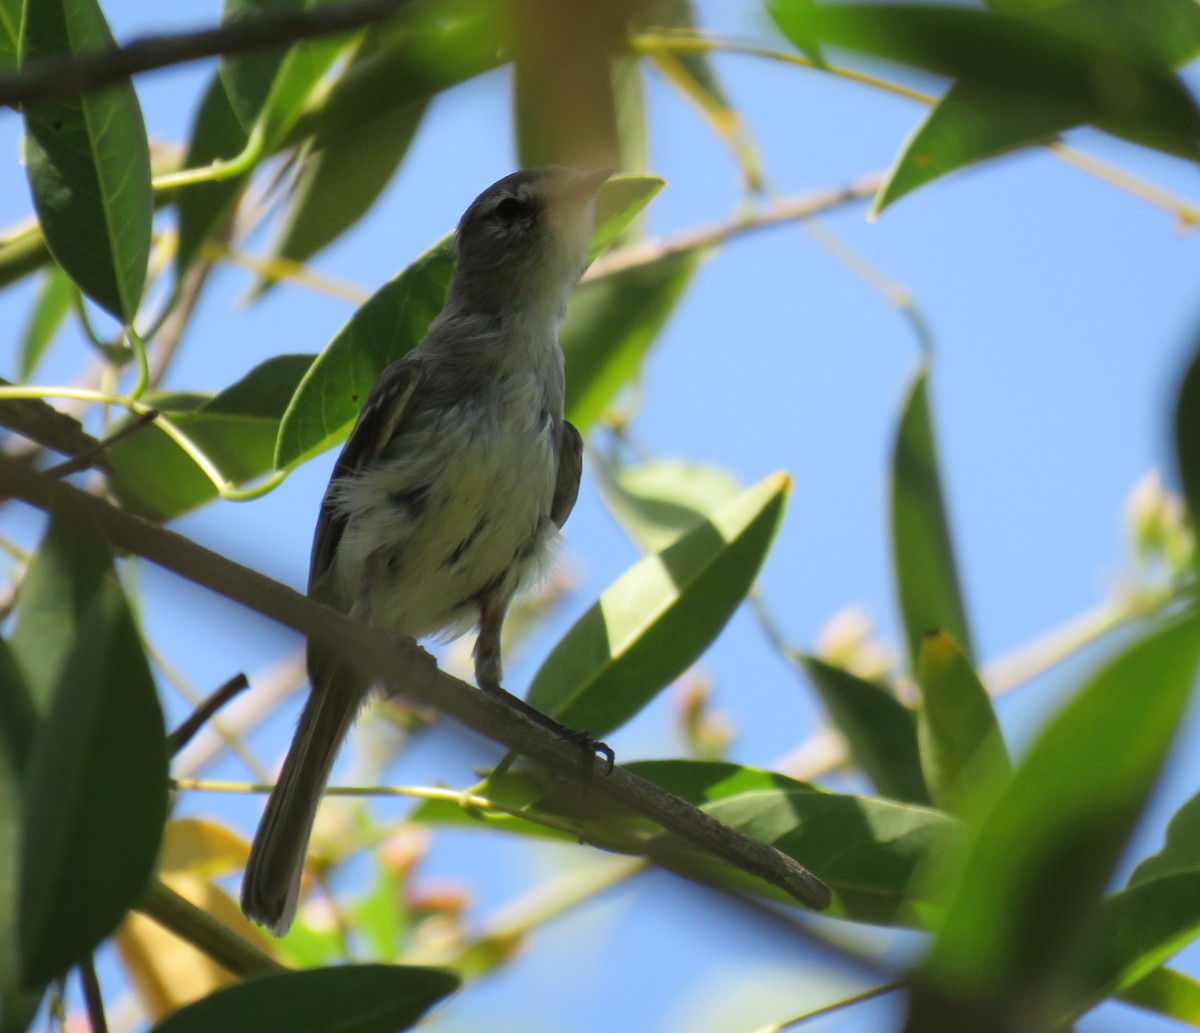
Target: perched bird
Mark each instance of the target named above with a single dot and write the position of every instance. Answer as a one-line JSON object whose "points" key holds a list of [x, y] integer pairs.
{"points": [[451, 489]]}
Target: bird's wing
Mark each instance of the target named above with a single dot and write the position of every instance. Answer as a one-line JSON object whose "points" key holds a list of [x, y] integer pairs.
{"points": [[379, 420], [570, 468]]}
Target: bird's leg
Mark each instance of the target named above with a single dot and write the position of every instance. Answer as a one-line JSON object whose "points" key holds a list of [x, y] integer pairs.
{"points": [[488, 673]]}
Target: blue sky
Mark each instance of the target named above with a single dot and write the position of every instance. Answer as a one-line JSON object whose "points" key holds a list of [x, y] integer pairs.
{"points": [[1061, 309]]}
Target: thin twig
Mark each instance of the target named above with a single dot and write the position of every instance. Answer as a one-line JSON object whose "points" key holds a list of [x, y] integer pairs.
{"points": [[407, 670], [182, 735], [94, 455], [92, 998], [53, 77], [830, 1009]]}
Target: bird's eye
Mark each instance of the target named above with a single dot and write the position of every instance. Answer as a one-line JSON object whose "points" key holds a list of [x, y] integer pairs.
{"points": [[509, 209]]}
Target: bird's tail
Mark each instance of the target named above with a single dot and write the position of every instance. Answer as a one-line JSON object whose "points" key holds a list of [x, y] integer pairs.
{"points": [[271, 885]]}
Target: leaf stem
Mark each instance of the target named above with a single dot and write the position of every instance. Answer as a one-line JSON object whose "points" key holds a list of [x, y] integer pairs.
{"points": [[830, 1009]]}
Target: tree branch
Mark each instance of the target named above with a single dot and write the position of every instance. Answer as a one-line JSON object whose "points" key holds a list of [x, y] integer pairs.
{"points": [[53, 77], [407, 669]]}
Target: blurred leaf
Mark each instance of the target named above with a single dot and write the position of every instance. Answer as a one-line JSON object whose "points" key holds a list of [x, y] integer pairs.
{"points": [[427, 47], [95, 790], [10, 34], [868, 851], [1168, 993], [201, 849], [54, 600], [249, 78], [297, 80], [380, 917], [55, 294], [1180, 852], [237, 429], [1042, 857], [348, 998], [654, 622], [577, 93], [337, 184], [880, 730], [167, 972], [18, 726], [617, 204], [658, 500], [926, 572], [1187, 438], [216, 135], [89, 164], [962, 749], [388, 326], [611, 323]]}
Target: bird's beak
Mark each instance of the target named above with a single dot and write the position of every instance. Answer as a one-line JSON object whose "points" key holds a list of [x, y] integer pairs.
{"points": [[583, 186]]}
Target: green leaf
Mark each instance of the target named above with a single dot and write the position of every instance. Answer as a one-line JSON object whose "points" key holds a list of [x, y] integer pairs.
{"points": [[216, 135], [880, 731], [1187, 438], [870, 852], [18, 726], [1168, 993], [10, 34], [926, 572], [89, 164], [659, 616], [337, 185], [1041, 859], [618, 203], [348, 998], [427, 47], [1180, 852], [611, 323], [249, 78], [56, 293], [52, 604], [658, 500], [236, 429], [962, 749], [389, 325], [95, 791]]}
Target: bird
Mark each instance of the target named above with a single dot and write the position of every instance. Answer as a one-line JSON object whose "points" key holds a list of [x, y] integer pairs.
{"points": [[450, 492]]}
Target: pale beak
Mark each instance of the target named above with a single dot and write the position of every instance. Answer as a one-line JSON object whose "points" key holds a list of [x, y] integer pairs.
{"points": [[584, 185]]}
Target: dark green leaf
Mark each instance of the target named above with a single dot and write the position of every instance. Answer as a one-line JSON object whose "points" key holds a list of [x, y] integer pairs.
{"points": [[216, 135], [658, 500], [428, 47], [1168, 993], [1034, 875], [18, 726], [348, 999], [89, 165], [1180, 852], [95, 792], [1187, 437], [880, 730], [248, 78], [236, 429], [337, 184], [52, 603], [926, 572], [659, 616], [55, 296], [611, 323], [962, 749], [295, 83], [388, 326], [870, 852]]}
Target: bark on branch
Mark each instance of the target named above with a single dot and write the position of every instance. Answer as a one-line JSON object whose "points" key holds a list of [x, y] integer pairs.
{"points": [[406, 668]]}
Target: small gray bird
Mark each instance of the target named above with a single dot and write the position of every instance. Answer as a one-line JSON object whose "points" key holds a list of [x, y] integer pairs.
{"points": [[451, 489]]}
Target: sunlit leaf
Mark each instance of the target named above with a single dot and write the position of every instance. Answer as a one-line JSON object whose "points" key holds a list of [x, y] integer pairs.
{"points": [[55, 295], [925, 568], [1040, 861], [236, 429], [660, 615], [658, 500], [347, 998], [1168, 993], [89, 164], [10, 34], [962, 749], [95, 790], [880, 731]]}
